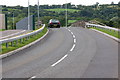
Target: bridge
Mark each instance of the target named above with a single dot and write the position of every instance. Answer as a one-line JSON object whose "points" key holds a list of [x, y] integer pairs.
{"points": [[72, 52], [66, 52]]}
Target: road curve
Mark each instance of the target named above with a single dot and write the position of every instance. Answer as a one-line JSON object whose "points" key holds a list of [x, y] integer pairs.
{"points": [[66, 53]]}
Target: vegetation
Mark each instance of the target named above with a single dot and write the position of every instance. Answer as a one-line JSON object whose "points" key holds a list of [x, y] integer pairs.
{"points": [[107, 14], [19, 44], [110, 32], [2, 29], [71, 21], [62, 10]]}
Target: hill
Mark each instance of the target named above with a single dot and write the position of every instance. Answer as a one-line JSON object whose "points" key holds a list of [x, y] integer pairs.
{"points": [[106, 13]]}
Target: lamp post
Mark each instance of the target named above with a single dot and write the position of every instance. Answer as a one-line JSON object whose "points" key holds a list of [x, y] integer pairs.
{"points": [[38, 14], [28, 16], [13, 19], [66, 13], [0, 9]]}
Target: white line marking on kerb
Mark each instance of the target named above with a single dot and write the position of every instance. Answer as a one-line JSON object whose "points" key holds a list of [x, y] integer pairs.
{"points": [[74, 40], [59, 60], [72, 48]]}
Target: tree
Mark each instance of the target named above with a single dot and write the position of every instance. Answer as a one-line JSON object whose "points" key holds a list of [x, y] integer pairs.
{"points": [[96, 5], [111, 23]]}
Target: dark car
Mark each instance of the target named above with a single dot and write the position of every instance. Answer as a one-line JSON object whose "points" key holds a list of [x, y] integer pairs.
{"points": [[54, 23]]}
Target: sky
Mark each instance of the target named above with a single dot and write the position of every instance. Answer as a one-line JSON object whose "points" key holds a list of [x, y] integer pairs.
{"points": [[50, 2]]}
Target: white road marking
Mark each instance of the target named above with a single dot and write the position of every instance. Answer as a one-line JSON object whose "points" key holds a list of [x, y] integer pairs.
{"points": [[32, 78], [59, 60], [74, 40], [73, 36], [72, 33], [73, 47], [69, 30]]}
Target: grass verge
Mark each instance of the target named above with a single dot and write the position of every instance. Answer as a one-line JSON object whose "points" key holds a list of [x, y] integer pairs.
{"points": [[19, 44], [71, 21], [61, 10], [2, 29], [112, 32]]}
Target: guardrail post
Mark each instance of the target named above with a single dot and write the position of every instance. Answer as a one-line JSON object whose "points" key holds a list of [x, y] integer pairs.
{"points": [[7, 44], [16, 42], [23, 39], [28, 37], [12, 43], [20, 40]]}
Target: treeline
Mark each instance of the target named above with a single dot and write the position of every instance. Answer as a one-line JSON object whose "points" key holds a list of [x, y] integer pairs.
{"points": [[107, 13]]}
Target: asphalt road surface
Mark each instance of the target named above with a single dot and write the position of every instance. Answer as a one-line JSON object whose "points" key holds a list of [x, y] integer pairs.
{"points": [[66, 53], [12, 33]]}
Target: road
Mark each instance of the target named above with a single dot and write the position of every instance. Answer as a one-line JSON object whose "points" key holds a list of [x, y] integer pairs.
{"points": [[12, 33], [66, 53]]}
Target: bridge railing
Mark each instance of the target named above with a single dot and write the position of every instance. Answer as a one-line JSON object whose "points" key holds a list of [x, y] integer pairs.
{"points": [[109, 30], [20, 37], [102, 27]]}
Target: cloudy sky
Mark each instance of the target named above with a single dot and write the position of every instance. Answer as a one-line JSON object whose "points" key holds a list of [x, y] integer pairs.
{"points": [[50, 2]]}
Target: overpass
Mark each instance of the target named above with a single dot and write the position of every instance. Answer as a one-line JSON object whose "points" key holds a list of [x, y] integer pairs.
{"points": [[74, 52]]}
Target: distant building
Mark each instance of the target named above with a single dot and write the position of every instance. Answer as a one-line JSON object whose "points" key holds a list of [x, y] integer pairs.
{"points": [[23, 24], [3, 23]]}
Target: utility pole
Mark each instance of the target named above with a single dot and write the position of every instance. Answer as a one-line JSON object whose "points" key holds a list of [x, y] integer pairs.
{"points": [[0, 9], [66, 13], [38, 14], [13, 20], [28, 16]]}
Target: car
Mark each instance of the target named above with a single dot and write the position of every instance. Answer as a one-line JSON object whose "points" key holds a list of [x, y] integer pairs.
{"points": [[54, 23]]}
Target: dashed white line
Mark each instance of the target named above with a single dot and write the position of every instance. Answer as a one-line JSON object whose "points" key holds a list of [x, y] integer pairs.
{"points": [[72, 33], [72, 47], [74, 40], [73, 36], [59, 60], [32, 78], [68, 30]]}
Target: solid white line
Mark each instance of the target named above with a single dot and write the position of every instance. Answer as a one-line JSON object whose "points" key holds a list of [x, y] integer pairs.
{"points": [[72, 48], [74, 40], [73, 36], [59, 60], [12, 34]]}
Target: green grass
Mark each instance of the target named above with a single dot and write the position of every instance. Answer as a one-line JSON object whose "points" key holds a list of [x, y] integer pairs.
{"points": [[71, 21], [61, 10], [112, 32], [16, 46], [2, 29]]}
